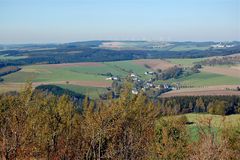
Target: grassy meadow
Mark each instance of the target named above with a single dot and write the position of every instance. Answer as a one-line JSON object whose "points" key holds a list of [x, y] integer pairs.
{"points": [[87, 79], [188, 48], [218, 123], [6, 57], [49, 73], [92, 92], [186, 62], [95, 75], [207, 79]]}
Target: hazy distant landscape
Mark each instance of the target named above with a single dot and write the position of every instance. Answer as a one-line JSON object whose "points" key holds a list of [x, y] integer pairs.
{"points": [[77, 64]]}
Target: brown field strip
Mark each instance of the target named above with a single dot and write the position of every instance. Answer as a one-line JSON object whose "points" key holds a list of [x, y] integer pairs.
{"points": [[4, 87], [201, 93], [230, 71], [79, 83], [154, 63]]}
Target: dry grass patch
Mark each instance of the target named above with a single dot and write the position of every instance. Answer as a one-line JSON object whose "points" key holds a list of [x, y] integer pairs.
{"points": [[154, 63], [228, 71], [219, 90]]}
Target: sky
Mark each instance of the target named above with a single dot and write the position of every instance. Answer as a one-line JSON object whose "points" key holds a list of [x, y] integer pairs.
{"points": [[59, 21]]}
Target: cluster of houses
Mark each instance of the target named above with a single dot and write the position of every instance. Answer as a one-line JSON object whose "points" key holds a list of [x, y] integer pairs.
{"points": [[149, 84], [145, 85], [149, 73], [135, 77]]}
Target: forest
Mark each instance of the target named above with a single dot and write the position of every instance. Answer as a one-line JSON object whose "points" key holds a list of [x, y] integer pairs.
{"points": [[219, 105], [228, 60], [40, 125]]}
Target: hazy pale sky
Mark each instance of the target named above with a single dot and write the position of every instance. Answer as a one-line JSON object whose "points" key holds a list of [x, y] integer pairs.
{"points": [[43, 21]]}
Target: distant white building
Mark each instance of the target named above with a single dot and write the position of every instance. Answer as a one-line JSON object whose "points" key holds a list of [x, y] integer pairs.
{"points": [[149, 84], [133, 75], [221, 45], [111, 78], [135, 78], [165, 86], [150, 73], [134, 91]]}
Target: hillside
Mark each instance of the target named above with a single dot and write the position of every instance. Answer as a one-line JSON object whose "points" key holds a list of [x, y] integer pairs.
{"points": [[98, 51]]}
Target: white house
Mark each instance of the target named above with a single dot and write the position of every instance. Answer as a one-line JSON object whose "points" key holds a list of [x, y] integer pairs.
{"points": [[109, 78], [135, 78], [134, 91], [133, 75]]}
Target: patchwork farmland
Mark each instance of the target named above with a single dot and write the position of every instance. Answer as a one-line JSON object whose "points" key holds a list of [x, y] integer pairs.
{"points": [[94, 74], [88, 74]]}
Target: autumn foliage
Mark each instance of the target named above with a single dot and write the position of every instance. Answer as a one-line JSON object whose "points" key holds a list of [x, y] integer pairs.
{"points": [[36, 125]]}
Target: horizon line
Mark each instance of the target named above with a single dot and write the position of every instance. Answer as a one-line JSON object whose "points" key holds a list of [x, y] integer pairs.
{"points": [[67, 42]]}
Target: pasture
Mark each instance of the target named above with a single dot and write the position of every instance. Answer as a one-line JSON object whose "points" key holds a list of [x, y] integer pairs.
{"points": [[154, 64], [74, 72], [216, 120], [94, 74], [200, 92], [186, 62], [207, 123], [92, 92], [206, 79], [233, 71], [189, 47], [71, 74], [217, 123], [6, 57]]}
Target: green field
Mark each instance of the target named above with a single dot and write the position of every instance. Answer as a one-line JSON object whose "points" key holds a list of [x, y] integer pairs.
{"points": [[127, 67], [6, 57], [217, 120], [189, 48], [61, 74], [46, 73], [200, 120], [186, 62], [92, 92], [204, 79], [217, 123]]}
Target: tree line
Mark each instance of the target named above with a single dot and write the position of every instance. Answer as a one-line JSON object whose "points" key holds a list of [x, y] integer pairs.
{"points": [[228, 60], [219, 105]]}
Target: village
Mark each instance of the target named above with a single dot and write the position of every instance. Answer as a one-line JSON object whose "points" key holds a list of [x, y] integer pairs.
{"points": [[142, 85]]}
